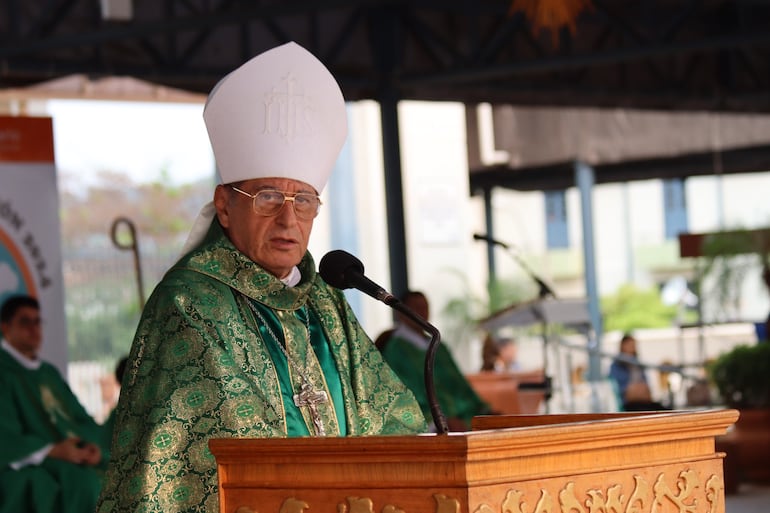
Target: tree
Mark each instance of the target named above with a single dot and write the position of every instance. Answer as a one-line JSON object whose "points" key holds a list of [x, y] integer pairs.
{"points": [[101, 302], [632, 308]]}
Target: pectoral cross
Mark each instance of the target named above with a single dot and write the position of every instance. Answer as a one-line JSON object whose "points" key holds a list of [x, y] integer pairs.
{"points": [[312, 398]]}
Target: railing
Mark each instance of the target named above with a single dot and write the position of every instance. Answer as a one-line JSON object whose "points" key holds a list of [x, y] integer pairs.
{"points": [[674, 379], [94, 385], [674, 358]]}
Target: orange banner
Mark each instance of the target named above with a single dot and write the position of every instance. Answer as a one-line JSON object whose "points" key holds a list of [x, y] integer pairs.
{"points": [[26, 139], [30, 240]]}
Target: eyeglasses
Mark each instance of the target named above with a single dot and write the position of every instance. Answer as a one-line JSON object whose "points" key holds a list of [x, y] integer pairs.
{"points": [[269, 202]]}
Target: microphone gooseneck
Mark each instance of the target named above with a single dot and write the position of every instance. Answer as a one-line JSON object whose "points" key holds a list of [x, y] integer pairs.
{"points": [[342, 270], [543, 289]]}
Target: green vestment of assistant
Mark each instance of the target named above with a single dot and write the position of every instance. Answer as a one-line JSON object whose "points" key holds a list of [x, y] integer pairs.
{"points": [[202, 365], [405, 352], [37, 408]]}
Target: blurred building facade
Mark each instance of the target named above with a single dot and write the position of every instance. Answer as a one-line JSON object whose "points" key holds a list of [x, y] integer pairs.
{"points": [[635, 223]]}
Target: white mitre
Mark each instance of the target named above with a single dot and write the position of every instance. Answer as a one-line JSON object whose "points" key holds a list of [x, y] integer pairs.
{"points": [[281, 114]]}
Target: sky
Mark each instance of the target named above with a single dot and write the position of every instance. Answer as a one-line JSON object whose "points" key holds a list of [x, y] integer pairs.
{"points": [[136, 138]]}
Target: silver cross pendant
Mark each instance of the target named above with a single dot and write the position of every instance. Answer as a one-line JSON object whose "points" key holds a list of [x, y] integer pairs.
{"points": [[312, 398]]}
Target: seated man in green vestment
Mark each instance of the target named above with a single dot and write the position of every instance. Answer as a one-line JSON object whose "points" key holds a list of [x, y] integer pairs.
{"points": [[404, 349], [49, 462], [242, 338]]}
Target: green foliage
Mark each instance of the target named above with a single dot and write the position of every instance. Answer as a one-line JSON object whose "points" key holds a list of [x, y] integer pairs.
{"points": [[104, 337], [462, 313], [101, 306], [741, 376], [100, 282], [504, 293], [728, 258], [632, 308]]}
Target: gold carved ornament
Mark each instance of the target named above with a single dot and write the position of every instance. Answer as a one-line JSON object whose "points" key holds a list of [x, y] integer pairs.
{"points": [[659, 497]]}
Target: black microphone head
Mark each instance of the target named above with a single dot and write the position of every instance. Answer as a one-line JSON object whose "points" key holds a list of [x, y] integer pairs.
{"points": [[490, 240], [336, 266]]}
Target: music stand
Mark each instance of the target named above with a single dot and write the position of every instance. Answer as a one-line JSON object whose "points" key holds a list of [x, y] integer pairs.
{"points": [[569, 312]]}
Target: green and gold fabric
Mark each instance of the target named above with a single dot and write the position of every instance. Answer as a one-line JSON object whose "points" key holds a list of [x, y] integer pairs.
{"points": [[38, 408], [454, 394], [204, 364]]}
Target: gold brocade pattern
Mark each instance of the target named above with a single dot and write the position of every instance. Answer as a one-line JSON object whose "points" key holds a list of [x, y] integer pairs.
{"points": [[301, 353], [198, 369]]}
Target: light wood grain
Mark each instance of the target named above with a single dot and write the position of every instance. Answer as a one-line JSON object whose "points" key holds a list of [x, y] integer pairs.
{"points": [[501, 391], [531, 460]]}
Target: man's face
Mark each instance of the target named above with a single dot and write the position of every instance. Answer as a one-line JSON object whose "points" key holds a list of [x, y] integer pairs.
{"points": [[24, 332], [277, 242]]}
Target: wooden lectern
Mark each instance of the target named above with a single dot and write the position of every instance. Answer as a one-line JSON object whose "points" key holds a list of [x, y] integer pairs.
{"points": [[500, 390], [657, 462]]}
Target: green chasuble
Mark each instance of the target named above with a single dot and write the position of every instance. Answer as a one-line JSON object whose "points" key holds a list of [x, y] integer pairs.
{"points": [[38, 408], [206, 362], [455, 396]]}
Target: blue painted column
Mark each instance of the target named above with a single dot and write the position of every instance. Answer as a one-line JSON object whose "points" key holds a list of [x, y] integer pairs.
{"points": [[489, 221], [584, 178]]}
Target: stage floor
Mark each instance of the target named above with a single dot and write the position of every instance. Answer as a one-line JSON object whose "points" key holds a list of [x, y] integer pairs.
{"points": [[751, 498]]}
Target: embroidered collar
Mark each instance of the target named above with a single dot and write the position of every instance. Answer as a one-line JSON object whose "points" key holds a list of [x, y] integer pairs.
{"points": [[217, 258]]}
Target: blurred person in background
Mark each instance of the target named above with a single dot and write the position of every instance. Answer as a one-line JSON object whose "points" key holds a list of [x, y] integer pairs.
{"points": [[50, 456], [404, 348], [630, 377], [499, 354]]}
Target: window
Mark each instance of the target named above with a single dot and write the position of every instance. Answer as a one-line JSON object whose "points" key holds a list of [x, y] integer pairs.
{"points": [[674, 207], [557, 234]]}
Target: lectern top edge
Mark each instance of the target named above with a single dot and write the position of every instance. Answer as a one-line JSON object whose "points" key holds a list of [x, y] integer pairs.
{"points": [[576, 433]]}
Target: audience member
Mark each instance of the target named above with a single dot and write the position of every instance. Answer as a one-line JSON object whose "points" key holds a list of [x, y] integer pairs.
{"points": [[499, 354], [50, 453], [242, 338], [489, 353], [405, 352], [631, 380]]}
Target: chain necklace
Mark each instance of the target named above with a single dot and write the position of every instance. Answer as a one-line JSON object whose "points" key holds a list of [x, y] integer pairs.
{"points": [[307, 396]]}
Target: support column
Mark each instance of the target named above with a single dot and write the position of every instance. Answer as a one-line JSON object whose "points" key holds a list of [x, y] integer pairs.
{"points": [[489, 222], [394, 194], [584, 178]]}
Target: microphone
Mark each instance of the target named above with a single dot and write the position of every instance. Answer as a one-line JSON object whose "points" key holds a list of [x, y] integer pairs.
{"points": [[342, 270], [543, 288], [490, 240]]}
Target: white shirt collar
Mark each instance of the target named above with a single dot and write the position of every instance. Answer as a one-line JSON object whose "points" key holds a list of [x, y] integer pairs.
{"points": [[23, 360], [417, 339], [292, 278]]}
